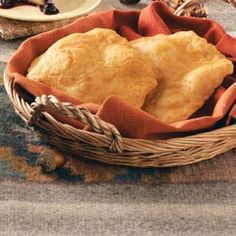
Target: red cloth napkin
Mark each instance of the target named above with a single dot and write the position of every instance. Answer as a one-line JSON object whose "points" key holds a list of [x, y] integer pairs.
{"points": [[131, 122]]}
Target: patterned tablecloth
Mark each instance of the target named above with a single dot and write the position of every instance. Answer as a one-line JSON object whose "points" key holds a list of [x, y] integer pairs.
{"points": [[90, 198]]}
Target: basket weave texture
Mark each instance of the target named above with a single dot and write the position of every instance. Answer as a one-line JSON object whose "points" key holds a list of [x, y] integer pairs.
{"points": [[187, 7], [191, 7], [105, 144]]}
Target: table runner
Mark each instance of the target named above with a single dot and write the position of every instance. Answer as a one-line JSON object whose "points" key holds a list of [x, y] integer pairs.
{"points": [[117, 210]]}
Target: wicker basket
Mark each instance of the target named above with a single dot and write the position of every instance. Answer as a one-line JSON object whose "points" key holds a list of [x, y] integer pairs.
{"points": [[187, 7], [191, 7], [105, 144]]}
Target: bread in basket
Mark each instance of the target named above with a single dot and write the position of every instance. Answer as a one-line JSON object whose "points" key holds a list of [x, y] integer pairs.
{"points": [[116, 132]]}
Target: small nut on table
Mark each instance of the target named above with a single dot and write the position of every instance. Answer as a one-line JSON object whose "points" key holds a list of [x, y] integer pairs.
{"points": [[51, 159]]}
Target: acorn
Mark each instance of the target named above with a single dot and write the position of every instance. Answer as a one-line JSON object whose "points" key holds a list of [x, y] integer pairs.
{"points": [[51, 159]]}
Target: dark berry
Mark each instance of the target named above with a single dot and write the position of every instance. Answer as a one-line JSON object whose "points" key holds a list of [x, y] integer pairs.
{"points": [[6, 3], [50, 9], [129, 1]]}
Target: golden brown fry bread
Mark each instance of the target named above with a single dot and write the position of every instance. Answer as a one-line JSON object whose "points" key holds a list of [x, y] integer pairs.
{"points": [[91, 66], [190, 69]]}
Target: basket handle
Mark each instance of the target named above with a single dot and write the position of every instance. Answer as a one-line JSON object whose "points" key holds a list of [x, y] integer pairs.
{"points": [[68, 109]]}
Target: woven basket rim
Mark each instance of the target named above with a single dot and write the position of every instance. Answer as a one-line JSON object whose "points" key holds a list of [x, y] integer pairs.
{"points": [[109, 148]]}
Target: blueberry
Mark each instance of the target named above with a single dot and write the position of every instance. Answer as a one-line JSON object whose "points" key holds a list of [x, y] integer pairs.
{"points": [[6, 3], [50, 9], [129, 1]]}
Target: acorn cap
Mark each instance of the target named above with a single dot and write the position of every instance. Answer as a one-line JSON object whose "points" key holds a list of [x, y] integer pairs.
{"points": [[51, 159]]}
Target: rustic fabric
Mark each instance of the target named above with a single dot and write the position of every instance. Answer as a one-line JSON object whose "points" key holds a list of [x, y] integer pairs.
{"points": [[131, 122], [90, 198], [127, 210]]}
